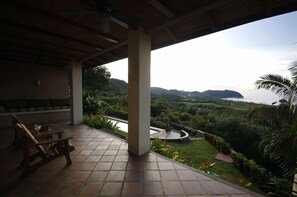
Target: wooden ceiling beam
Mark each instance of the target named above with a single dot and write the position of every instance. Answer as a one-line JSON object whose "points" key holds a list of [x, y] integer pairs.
{"points": [[114, 17], [38, 30], [6, 56], [171, 34], [33, 54], [98, 59], [119, 22], [188, 15], [268, 7], [106, 50], [93, 61], [212, 20], [164, 10], [58, 47], [28, 61], [26, 48], [65, 21]]}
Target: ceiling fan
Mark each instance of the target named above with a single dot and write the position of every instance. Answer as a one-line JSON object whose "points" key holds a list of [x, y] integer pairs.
{"points": [[106, 12], [104, 8]]}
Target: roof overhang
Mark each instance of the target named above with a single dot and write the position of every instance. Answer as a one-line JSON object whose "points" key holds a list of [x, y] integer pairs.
{"points": [[55, 32]]}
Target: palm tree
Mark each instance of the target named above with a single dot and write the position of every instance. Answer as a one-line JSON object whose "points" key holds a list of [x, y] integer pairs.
{"points": [[281, 143]]}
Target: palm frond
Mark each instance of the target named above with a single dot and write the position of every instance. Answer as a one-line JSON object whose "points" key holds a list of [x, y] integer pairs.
{"points": [[286, 156], [281, 144], [294, 92], [281, 148], [278, 116], [275, 83], [293, 70]]}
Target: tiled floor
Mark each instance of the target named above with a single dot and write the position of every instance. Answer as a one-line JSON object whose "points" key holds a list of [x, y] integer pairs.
{"points": [[102, 166]]}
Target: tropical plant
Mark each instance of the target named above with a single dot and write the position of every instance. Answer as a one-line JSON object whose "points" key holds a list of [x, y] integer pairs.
{"points": [[159, 146], [281, 143], [96, 78], [91, 103], [99, 122]]}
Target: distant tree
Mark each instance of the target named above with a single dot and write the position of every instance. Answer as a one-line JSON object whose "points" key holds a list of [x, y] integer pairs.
{"points": [[167, 123], [204, 123], [281, 143], [95, 79]]}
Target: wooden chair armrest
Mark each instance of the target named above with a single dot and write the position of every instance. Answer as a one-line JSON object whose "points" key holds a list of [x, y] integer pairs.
{"points": [[50, 142], [43, 135], [57, 132], [42, 124], [51, 133]]}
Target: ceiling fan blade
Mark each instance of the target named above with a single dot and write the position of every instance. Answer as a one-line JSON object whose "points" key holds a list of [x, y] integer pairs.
{"points": [[119, 22], [76, 11]]}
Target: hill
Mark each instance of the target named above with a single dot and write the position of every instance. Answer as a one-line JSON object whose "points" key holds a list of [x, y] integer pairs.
{"points": [[117, 85], [122, 87]]}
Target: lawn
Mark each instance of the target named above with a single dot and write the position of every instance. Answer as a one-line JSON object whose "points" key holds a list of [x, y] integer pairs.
{"points": [[200, 153]]}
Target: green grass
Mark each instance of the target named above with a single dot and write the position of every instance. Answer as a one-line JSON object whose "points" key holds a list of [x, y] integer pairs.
{"points": [[121, 133], [197, 152]]}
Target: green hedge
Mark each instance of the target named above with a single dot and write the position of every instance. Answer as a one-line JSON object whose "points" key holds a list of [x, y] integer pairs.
{"points": [[219, 143], [274, 186]]}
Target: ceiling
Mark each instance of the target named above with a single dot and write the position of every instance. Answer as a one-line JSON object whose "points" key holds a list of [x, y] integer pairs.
{"points": [[54, 32]]}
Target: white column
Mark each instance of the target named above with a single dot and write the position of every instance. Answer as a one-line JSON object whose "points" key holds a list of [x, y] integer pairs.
{"points": [[76, 93], [139, 92]]}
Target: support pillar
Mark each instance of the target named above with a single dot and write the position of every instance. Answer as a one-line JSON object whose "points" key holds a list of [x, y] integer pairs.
{"points": [[76, 93], [139, 92]]}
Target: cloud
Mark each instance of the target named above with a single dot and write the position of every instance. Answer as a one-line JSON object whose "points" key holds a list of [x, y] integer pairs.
{"points": [[230, 59]]}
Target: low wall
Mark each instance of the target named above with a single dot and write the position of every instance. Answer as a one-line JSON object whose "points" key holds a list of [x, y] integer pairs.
{"points": [[30, 117]]}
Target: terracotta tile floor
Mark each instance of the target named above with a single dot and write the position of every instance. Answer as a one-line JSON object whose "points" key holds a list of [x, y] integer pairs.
{"points": [[102, 166]]}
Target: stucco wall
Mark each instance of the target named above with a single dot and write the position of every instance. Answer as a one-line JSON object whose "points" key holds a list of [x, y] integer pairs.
{"points": [[18, 81]]}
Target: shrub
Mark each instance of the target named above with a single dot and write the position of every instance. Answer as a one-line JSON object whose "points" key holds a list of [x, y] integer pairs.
{"points": [[118, 113], [219, 143], [192, 132], [279, 187], [99, 122], [91, 103], [273, 185], [159, 146], [238, 160], [155, 122], [250, 168]]}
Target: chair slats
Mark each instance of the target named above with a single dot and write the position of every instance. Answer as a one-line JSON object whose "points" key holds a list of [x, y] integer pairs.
{"points": [[48, 149], [32, 139]]}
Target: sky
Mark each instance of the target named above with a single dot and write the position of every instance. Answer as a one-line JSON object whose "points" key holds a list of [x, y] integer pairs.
{"points": [[231, 59]]}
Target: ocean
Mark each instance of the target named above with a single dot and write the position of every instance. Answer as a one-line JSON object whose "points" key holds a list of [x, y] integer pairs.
{"points": [[257, 96]]}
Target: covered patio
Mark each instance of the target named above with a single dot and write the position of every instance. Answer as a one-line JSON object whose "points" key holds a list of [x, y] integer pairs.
{"points": [[46, 45], [102, 166]]}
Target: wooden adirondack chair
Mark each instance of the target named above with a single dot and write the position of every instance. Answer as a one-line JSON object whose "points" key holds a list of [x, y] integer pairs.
{"points": [[46, 150], [17, 142]]}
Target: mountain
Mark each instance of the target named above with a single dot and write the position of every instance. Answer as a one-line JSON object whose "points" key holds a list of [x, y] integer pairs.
{"points": [[117, 85], [195, 94], [223, 94], [122, 86]]}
